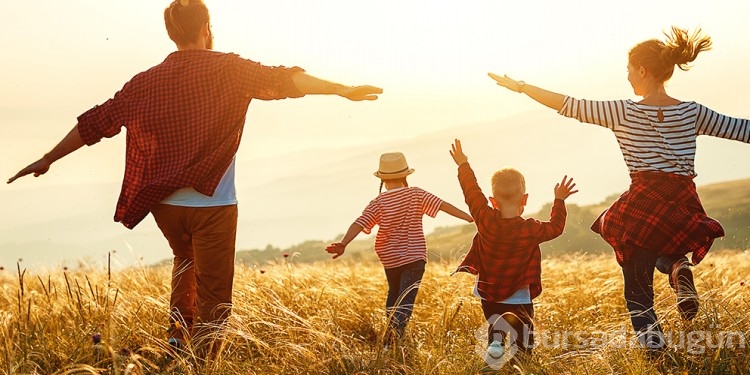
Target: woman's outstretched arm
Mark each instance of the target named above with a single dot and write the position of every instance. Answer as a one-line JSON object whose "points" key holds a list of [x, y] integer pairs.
{"points": [[548, 98]]}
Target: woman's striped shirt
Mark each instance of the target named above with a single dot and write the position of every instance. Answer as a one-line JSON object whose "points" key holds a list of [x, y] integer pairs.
{"points": [[652, 145], [398, 212]]}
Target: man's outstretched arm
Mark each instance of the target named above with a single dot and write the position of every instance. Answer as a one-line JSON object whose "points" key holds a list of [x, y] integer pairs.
{"points": [[307, 84], [68, 144]]}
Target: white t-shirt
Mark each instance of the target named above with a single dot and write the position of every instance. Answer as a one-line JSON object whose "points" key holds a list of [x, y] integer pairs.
{"points": [[225, 194], [520, 297]]}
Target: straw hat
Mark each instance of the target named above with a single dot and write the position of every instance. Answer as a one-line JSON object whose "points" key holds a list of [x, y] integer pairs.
{"points": [[393, 165]]}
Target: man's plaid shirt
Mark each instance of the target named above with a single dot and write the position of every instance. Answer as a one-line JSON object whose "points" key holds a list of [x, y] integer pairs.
{"points": [[184, 121], [505, 252]]}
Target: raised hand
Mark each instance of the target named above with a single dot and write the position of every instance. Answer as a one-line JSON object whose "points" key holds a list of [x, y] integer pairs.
{"points": [[505, 81], [358, 93], [336, 248], [38, 168], [564, 189], [457, 153]]}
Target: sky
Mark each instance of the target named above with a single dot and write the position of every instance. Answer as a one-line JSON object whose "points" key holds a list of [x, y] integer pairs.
{"points": [[430, 57]]}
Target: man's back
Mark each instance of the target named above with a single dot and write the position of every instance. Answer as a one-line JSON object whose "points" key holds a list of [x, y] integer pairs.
{"points": [[185, 118]]}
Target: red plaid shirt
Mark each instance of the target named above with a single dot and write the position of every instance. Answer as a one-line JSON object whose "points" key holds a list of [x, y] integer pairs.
{"points": [[184, 118], [505, 252], [660, 212]]}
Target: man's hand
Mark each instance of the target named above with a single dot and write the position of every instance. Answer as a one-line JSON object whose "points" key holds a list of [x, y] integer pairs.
{"points": [[359, 93], [564, 189], [505, 81], [336, 248], [457, 153], [38, 168]]}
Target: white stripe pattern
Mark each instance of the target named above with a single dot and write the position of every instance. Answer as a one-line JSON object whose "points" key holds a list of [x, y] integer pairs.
{"points": [[398, 213], [648, 144]]}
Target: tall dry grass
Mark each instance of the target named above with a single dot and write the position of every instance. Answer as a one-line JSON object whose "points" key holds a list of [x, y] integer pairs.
{"points": [[328, 318]]}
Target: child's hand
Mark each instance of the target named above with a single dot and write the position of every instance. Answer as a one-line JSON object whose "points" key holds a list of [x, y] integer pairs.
{"points": [[565, 188], [336, 248], [457, 153]]}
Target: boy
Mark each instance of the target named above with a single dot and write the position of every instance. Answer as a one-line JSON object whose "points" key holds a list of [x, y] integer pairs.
{"points": [[505, 253]]}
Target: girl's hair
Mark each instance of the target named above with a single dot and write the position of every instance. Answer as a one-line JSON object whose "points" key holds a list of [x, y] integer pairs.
{"points": [[403, 179], [184, 20], [679, 48]]}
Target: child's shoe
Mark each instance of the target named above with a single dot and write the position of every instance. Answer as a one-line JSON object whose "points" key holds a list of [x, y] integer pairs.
{"points": [[681, 280], [175, 343], [495, 351]]}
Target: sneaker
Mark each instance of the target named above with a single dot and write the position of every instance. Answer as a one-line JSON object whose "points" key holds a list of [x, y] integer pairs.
{"points": [[495, 351], [681, 280], [176, 344]]}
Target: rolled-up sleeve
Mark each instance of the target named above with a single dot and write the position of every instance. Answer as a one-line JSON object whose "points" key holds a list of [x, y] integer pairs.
{"points": [[103, 121], [266, 82]]}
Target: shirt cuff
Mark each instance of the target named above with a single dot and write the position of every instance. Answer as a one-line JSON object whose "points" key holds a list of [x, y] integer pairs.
{"points": [[90, 122], [290, 89]]}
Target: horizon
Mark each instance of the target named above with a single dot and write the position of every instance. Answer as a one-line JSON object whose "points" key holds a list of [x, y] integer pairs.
{"points": [[267, 214]]}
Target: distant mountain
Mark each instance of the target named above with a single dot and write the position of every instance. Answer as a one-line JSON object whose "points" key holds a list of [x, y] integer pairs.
{"points": [[316, 194], [728, 202]]}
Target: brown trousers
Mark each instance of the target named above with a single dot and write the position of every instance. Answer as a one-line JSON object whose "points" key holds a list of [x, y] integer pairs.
{"points": [[203, 243]]}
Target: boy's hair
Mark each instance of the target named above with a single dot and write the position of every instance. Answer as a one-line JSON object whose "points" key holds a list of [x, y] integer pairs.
{"points": [[508, 184], [184, 20]]}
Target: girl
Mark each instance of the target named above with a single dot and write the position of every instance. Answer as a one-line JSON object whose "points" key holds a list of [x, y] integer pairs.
{"points": [[660, 218], [400, 243]]}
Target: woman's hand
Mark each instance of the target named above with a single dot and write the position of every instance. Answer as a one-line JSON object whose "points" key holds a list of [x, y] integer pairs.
{"points": [[507, 82]]}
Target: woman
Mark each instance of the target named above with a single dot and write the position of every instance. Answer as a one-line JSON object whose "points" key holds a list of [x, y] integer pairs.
{"points": [[660, 218]]}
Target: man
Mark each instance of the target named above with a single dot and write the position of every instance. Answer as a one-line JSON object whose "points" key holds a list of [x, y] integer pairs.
{"points": [[184, 120]]}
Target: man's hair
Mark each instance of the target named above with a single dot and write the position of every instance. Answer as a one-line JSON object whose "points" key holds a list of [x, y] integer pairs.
{"points": [[508, 184], [184, 20]]}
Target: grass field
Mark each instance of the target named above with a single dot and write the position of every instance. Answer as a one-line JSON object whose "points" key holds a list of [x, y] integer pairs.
{"points": [[328, 318]]}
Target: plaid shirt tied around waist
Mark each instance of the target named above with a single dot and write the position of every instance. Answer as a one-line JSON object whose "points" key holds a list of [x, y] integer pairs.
{"points": [[660, 212], [184, 120], [505, 252]]}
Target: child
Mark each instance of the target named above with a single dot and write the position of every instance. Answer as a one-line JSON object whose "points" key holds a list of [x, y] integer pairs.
{"points": [[400, 243], [505, 253]]}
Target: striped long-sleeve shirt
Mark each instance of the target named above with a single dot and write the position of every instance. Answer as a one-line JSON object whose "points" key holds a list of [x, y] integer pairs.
{"points": [[652, 145], [398, 213]]}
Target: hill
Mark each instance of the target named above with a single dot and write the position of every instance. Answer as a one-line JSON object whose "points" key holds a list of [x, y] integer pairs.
{"points": [[728, 202], [316, 193]]}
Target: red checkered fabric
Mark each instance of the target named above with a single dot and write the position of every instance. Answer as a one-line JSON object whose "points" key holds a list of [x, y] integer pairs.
{"points": [[505, 252], [660, 212], [184, 121]]}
